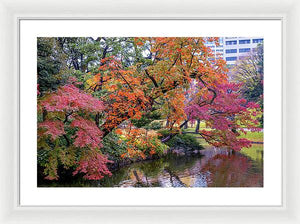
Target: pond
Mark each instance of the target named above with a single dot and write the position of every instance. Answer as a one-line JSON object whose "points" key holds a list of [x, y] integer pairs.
{"points": [[212, 168]]}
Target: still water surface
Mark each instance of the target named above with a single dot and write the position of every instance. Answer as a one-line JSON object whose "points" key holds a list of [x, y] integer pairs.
{"points": [[213, 168]]}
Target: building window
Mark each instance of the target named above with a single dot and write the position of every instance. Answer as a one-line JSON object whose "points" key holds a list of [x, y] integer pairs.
{"points": [[244, 41], [257, 41], [231, 58], [243, 50], [232, 42], [231, 51]]}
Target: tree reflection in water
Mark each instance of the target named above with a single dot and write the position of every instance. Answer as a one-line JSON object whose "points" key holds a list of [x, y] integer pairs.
{"points": [[231, 170], [214, 168]]}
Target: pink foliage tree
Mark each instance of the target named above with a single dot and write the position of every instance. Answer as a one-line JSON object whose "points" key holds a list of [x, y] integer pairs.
{"points": [[70, 118], [225, 113]]}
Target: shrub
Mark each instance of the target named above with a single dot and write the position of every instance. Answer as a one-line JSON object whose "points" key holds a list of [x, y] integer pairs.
{"points": [[114, 146], [153, 144], [146, 119], [181, 140], [155, 125], [163, 133]]}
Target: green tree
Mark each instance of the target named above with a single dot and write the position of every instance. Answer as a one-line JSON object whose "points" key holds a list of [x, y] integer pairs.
{"points": [[249, 72], [50, 61]]}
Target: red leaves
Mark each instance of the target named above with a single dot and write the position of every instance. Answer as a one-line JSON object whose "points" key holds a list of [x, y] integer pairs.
{"points": [[88, 134], [174, 65], [70, 98], [226, 116], [93, 164], [70, 108], [38, 89], [54, 128]]}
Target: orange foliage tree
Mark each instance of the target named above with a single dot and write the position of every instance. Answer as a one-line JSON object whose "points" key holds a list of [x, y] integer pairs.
{"points": [[158, 75], [172, 64]]}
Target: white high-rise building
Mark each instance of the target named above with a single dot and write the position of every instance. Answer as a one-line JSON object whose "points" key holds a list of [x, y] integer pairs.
{"points": [[235, 48], [232, 49]]}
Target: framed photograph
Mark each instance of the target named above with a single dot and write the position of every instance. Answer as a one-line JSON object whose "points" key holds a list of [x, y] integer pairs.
{"points": [[145, 114], [160, 118]]}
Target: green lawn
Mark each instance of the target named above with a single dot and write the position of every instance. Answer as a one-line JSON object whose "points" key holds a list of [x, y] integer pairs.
{"points": [[201, 141], [254, 136], [191, 128], [255, 152]]}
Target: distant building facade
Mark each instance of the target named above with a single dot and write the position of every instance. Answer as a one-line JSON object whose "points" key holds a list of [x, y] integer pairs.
{"points": [[232, 49]]}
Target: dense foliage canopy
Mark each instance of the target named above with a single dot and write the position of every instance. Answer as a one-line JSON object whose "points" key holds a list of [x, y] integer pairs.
{"points": [[91, 90]]}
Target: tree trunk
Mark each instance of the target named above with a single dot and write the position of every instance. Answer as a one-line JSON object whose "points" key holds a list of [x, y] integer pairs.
{"points": [[186, 125], [167, 138], [197, 126], [167, 123]]}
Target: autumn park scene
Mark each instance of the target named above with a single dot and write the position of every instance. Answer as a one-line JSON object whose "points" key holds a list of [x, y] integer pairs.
{"points": [[149, 112]]}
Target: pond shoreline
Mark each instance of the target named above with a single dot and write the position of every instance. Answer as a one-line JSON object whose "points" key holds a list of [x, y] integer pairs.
{"points": [[175, 151]]}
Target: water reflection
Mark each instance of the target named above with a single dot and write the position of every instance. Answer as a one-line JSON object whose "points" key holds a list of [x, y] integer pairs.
{"points": [[214, 168]]}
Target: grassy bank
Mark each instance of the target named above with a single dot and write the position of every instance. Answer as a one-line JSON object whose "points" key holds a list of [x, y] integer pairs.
{"points": [[255, 152], [254, 136]]}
